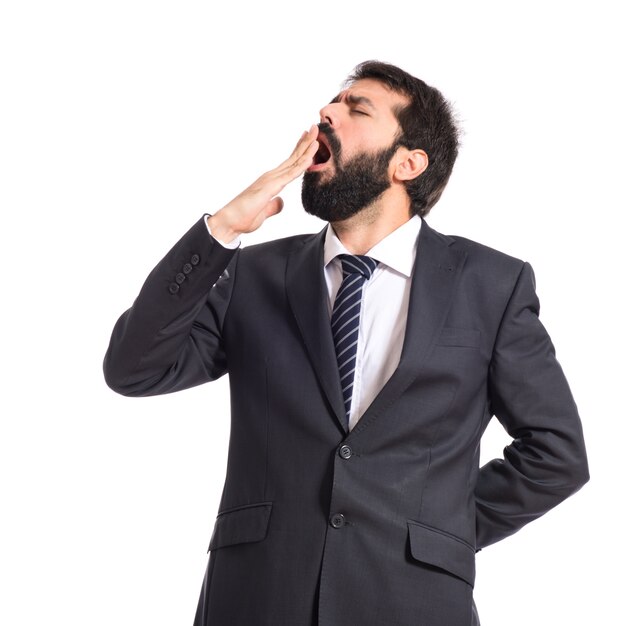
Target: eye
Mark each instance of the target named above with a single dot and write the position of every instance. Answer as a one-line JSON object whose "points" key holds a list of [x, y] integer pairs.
{"points": [[357, 112]]}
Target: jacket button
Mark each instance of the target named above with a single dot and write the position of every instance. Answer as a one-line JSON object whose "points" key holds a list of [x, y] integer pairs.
{"points": [[337, 520], [345, 452], [195, 259], [180, 278], [187, 268], [173, 288]]}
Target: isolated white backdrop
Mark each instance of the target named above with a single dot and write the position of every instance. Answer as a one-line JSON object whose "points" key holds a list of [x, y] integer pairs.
{"points": [[123, 121]]}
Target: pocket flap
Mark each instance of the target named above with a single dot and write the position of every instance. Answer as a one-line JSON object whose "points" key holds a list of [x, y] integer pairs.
{"points": [[242, 524], [442, 550]]}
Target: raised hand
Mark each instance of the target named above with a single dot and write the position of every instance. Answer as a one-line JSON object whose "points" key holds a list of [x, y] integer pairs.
{"points": [[246, 212]]}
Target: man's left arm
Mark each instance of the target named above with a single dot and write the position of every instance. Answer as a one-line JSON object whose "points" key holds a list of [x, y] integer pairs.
{"points": [[546, 462]]}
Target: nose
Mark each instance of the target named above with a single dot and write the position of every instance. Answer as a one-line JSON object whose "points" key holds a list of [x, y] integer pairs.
{"points": [[330, 115]]}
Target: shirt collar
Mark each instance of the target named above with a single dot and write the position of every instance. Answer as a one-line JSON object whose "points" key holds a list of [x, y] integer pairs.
{"points": [[396, 250]]}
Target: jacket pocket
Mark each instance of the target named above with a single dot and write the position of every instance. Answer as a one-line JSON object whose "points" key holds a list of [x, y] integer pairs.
{"points": [[460, 337], [434, 547], [243, 524]]}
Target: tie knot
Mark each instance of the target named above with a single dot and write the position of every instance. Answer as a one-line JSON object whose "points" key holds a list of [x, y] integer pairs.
{"points": [[358, 264]]}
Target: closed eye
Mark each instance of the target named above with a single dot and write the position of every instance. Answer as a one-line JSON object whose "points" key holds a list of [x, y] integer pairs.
{"points": [[357, 112]]}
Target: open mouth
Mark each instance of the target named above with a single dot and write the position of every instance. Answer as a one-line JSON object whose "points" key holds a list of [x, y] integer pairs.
{"points": [[323, 153]]}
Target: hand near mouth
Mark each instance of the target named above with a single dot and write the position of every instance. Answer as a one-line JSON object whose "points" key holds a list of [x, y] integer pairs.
{"points": [[247, 211], [323, 155]]}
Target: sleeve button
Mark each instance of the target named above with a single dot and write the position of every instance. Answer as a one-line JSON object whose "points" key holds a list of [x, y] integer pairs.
{"points": [[173, 288]]}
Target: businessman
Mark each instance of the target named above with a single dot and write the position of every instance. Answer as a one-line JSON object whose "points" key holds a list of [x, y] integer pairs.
{"points": [[365, 363]]}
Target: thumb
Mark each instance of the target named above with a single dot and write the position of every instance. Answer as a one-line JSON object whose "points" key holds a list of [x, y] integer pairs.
{"points": [[273, 207]]}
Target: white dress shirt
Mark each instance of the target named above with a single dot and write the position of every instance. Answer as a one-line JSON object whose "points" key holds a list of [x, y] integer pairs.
{"points": [[384, 309]]}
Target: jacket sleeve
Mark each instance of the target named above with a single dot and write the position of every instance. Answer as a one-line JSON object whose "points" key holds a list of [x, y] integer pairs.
{"points": [[546, 461], [170, 339]]}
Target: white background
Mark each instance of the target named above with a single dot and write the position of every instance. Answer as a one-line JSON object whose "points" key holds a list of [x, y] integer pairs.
{"points": [[123, 121]]}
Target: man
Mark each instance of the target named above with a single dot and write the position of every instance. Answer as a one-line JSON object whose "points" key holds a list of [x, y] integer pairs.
{"points": [[365, 363]]}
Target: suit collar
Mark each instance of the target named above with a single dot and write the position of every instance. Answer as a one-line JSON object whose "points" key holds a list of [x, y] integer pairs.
{"points": [[396, 251], [308, 296], [438, 265]]}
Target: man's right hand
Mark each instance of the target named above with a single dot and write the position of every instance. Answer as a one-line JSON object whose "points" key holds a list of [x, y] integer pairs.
{"points": [[246, 212]]}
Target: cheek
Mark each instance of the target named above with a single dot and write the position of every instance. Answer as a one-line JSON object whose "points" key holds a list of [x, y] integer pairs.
{"points": [[361, 145], [371, 140]]}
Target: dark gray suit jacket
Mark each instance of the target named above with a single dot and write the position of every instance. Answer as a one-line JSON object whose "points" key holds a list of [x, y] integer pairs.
{"points": [[378, 526]]}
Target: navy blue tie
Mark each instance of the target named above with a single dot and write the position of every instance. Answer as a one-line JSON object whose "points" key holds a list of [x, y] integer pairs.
{"points": [[345, 319]]}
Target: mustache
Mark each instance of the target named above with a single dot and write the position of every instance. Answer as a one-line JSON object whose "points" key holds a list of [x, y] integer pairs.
{"points": [[335, 145]]}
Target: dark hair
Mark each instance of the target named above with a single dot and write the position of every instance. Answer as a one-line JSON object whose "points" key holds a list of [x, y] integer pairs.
{"points": [[426, 123]]}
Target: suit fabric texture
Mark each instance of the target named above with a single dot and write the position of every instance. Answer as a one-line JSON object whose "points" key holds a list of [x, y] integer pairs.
{"points": [[378, 526]]}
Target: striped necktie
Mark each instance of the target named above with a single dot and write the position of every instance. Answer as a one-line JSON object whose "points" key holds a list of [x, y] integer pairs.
{"points": [[345, 319]]}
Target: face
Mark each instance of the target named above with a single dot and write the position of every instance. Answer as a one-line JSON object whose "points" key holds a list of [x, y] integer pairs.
{"points": [[357, 138]]}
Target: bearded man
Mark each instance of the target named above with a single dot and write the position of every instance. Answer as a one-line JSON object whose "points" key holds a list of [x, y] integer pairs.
{"points": [[365, 363]]}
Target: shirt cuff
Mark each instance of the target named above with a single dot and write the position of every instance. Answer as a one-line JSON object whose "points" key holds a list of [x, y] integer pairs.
{"points": [[235, 243]]}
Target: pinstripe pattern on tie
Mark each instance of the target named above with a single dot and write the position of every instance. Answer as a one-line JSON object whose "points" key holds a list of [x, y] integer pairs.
{"points": [[346, 316]]}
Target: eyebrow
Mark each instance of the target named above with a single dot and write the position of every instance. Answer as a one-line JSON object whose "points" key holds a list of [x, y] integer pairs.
{"points": [[354, 100]]}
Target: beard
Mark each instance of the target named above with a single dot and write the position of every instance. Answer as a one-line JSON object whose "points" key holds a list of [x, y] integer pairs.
{"points": [[355, 185]]}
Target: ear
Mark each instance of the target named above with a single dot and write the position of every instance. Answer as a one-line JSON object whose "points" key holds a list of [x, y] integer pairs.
{"points": [[409, 163]]}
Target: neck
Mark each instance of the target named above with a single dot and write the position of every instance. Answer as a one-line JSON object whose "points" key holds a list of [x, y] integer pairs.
{"points": [[361, 232]]}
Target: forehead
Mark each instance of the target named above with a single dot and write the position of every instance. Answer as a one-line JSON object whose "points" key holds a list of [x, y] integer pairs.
{"points": [[373, 94]]}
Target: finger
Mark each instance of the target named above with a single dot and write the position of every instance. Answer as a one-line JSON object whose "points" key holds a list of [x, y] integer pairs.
{"points": [[298, 166], [305, 151], [274, 181], [304, 142], [308, 136]]}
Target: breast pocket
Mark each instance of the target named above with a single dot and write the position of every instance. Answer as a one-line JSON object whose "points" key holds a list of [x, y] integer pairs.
{"points": [[243, 524]]}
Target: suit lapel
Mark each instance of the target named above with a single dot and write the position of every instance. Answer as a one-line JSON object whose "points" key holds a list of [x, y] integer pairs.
{"points": [[435, 274], [308, 297]]}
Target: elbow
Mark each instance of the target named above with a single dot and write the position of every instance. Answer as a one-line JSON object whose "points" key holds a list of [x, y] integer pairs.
{"points": [[576, 474], [124, 388], [115, 382], [582, 473], [117, 379], [135, 382], [570, 463], [581, 463]]}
